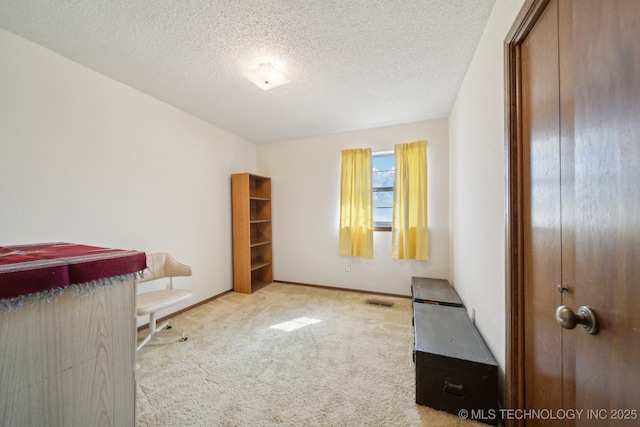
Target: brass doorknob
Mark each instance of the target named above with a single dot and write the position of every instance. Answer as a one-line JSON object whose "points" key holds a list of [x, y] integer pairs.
{"points": [[585, 317]]}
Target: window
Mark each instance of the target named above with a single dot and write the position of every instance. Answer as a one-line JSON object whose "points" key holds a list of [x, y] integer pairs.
{"points": [[383, 172]]}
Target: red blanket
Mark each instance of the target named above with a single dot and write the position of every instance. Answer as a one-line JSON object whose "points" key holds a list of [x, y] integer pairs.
{"points": [[28, 269]]}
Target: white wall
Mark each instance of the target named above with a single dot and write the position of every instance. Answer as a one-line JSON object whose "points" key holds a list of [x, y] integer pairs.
{"points": [[477, 137], [306, 186], [86, 159]]}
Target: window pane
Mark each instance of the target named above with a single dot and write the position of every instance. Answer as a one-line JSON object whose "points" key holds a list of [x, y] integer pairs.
{"points": [[382, 179], [382, 207], [383, 171]]}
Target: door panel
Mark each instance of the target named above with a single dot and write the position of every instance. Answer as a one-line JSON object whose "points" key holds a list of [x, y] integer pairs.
{"points": [[542, 215], [580, 105], [607, 196]]}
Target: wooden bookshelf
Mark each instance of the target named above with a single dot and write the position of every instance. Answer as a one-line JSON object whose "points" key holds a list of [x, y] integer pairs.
{"points": [[252, 232]]}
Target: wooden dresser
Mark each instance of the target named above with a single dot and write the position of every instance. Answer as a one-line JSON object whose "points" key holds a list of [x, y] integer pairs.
{"points": [[67, 334]]}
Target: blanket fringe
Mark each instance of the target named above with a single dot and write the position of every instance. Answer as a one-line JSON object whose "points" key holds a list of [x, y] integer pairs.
{"points": [[76, 289]]}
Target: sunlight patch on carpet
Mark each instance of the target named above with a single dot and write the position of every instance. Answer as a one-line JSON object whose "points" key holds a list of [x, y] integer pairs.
{"points": [[294, 324]]}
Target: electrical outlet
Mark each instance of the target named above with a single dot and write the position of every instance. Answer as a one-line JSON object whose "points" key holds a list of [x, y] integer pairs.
{"points": [[347, 268]]}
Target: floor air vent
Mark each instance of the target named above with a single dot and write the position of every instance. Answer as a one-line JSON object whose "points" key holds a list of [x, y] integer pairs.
{"points": [[381, 302]]}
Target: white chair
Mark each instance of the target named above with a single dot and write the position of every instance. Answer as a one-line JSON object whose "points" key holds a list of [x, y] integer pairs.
{"points": [[160, 265]]}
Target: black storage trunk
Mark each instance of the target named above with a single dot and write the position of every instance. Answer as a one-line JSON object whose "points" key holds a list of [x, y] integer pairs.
{"points": [[434, 291], [454, 368]]}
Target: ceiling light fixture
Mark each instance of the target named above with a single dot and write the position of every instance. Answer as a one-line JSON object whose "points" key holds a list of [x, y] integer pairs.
{"points": [[266, 76]]}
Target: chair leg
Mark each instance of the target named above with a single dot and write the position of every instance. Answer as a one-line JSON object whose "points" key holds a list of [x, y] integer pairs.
{"points": [[144, 341], [153, 329]]}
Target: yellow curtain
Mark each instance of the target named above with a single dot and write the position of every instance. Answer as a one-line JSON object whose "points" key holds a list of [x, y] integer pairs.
{"points": [[410, 233], [356, 208]]}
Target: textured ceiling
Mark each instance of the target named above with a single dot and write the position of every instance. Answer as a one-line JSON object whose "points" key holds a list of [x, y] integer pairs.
{"points": [[353, 64]]}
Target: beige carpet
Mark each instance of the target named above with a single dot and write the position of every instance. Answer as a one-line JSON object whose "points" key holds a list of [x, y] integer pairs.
{"points": [[348, 363]]}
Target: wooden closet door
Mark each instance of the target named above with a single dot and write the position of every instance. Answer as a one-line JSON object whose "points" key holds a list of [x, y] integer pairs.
{"points": [[542, 213], [580, 68], [603, 371]]}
